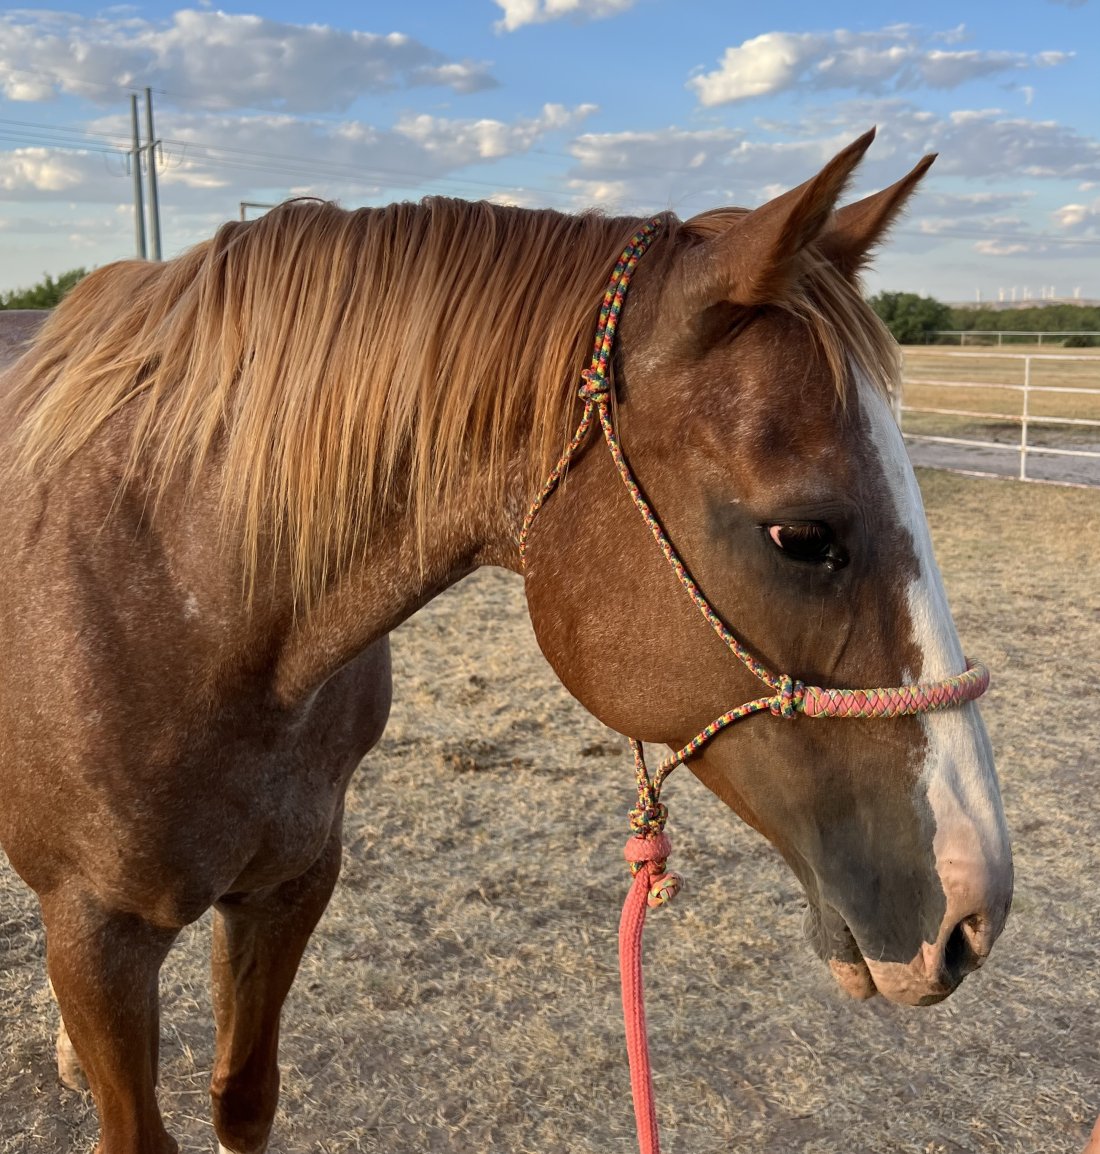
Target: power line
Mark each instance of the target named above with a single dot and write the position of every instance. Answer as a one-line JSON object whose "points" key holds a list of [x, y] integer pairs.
{"points": [[62, 130], [67, 139]]}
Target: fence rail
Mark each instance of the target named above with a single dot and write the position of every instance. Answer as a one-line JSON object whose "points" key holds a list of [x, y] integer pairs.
{"points": [[1026, 419], [985, 336]]}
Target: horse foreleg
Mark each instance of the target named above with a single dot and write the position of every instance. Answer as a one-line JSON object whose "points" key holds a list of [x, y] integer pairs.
{"points": [[103, 968], [258, 942], [69, 1070]]}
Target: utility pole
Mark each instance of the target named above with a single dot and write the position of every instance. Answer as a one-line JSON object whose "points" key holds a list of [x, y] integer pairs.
{"points": [[247, 204], [151, 173], [135, 162]]}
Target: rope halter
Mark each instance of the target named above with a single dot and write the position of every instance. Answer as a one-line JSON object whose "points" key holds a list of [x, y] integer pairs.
{"points": [[648, 848]]}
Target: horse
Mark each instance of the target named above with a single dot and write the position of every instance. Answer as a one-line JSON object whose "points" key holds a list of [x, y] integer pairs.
{"points": [[228, 477]]}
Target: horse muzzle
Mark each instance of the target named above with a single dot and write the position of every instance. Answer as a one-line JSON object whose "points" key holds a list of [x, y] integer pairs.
{"points": [[932, 974]]}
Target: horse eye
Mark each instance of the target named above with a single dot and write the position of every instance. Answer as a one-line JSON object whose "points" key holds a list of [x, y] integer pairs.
{"points": [[810, 541]]}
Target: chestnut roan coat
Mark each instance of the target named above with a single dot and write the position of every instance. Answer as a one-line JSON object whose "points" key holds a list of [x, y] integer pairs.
{"points": [[226, 478]]}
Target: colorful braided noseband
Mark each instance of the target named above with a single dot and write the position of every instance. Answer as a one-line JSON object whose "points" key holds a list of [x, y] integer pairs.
{"points": [[649, 846]]}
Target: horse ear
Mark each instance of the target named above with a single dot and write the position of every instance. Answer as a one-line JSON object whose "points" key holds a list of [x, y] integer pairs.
{"points": [[856, 229], [753, 261]]}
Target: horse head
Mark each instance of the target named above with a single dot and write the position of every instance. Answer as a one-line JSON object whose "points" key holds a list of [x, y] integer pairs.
{"points": [[752, 400]]}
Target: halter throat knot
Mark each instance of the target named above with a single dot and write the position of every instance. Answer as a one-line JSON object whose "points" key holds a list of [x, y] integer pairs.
{"points": [[595, 388], [789, 699]]}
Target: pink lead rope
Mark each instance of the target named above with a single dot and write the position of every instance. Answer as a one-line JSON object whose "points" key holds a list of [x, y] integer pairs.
{"points": [[648, 848]]}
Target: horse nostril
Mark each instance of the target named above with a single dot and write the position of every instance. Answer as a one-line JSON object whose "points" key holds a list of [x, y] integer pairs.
{"points": [[965, 949]]}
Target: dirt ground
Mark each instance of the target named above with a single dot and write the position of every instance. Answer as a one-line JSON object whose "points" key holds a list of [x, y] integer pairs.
{"points": [[461, 993]]}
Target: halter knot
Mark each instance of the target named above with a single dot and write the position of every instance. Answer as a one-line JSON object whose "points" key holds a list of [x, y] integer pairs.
{"points": [[650, 854], [648, 820], [789, 696], [594, 389], [640, 848]]}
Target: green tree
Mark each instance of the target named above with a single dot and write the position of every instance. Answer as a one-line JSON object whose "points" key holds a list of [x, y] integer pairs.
{"points": [[44, 295], [1053, 318], [912, 319]]}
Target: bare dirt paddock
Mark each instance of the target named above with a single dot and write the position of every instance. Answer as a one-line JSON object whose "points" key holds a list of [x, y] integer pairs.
{"points": [[461, 995]]}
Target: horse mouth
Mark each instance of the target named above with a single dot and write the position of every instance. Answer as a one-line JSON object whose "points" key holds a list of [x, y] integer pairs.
{"points": [[836, 945]]}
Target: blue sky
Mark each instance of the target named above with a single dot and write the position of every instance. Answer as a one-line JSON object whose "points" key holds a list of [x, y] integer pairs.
{"points": [[631, 105]]}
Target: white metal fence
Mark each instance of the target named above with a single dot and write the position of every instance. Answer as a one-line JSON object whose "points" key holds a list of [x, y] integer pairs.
{"points": [[1081, 466], [1019, 336]]}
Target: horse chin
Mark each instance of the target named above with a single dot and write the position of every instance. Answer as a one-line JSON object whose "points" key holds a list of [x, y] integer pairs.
{"points": [[837, 947], [854, 978]]}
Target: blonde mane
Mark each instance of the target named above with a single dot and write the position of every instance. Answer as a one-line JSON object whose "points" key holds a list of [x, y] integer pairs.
{"points": [[337, 364]]}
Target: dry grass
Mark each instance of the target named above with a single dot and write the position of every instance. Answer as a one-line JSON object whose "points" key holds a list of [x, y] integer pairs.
{"points": [[460, 994]]}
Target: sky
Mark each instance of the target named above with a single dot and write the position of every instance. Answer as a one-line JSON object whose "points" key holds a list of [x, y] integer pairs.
{"points": [[626, 105]]}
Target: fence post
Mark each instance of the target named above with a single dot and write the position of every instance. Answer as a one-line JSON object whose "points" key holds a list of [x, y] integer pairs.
{"points": [[1023, 420]]}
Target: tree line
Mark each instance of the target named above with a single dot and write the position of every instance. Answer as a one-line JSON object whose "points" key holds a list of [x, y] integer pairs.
{"points": [[44, 295], [915, 320], [911, 318]]}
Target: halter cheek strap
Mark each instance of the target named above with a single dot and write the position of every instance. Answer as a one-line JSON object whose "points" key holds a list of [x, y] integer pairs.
{"points": [[648, 848]]}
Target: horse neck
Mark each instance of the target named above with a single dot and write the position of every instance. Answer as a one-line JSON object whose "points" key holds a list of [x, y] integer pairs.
{"points": [[402, 569], [413, 554]]}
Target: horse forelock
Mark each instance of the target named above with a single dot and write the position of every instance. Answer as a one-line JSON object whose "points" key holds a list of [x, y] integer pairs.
{"points": [[325, 361], [848, 333]]}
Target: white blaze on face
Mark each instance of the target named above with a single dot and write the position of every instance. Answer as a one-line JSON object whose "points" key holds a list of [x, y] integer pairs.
{"points": [[971, 843]]}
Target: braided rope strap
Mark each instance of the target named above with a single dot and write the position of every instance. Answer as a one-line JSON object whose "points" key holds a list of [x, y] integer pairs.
{"points": [[648, 849]]}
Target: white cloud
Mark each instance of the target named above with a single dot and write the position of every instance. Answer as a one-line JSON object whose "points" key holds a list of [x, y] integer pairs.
{"points": [[38, 170], [465, 141], [1079, 219], [1072, 215], [937, 69], [764, 64], [973, 203], [954, 35], [996, 247], [700, 169], [29, 226], [212, 161], [518, 13], [1052, 59], [691, 170], [888, 60], [216, 60], [647, 170], [985, 144]]}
